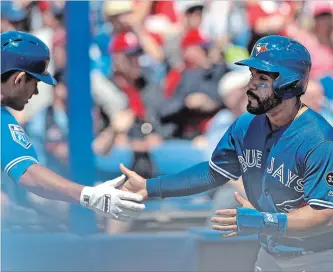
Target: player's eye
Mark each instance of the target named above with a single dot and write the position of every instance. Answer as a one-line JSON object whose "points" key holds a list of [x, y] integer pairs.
{"points": [[263, 78]]}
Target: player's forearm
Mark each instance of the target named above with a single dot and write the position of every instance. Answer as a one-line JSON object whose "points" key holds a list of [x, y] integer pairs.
{"points": [[47, 184], [309, 220], [196, 179], [149, 45]]}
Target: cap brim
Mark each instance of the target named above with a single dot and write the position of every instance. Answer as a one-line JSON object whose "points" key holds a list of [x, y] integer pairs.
{"points": [[267, 67], [134, 51], [46, 78], [260, 65]]}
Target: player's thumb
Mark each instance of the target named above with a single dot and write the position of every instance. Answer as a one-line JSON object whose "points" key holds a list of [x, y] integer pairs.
{"points": [[242, 201], [126, 171]]}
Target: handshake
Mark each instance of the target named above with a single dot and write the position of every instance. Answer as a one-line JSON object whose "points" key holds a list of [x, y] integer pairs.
{"points": [[119, 198]]}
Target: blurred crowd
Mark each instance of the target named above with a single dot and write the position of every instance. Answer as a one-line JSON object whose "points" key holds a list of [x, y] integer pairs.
{"points": [[164, 86]]}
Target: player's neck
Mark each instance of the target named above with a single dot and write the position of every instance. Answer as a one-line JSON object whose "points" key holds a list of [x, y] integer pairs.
{"points": [[283, 114]]}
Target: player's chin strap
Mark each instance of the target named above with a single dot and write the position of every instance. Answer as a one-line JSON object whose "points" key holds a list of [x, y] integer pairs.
{"points": [[250, 221]]}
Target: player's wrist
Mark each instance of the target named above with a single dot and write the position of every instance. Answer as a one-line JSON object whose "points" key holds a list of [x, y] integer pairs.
{"points": [[85, 196], [250, 221]]}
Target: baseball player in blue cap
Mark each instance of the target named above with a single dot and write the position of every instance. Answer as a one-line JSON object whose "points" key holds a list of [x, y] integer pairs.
{"points": [[284, 152], [24, 62]]}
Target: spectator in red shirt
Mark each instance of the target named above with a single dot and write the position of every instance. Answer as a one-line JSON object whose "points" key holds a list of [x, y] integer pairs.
{"points": [[143, 94], [318, 40], [192, 91]]}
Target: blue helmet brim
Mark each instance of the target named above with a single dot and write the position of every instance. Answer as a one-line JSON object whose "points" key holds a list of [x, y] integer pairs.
{"points": [[267, 67], [46, 78], [260, 65]]}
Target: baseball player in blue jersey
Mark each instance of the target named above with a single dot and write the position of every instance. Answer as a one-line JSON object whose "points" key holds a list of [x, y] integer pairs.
{"points": [[24, 62], [284, 152]]}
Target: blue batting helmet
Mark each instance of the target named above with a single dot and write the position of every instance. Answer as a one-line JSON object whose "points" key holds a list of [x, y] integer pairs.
{"points": [[24, 52], [285, 56]]}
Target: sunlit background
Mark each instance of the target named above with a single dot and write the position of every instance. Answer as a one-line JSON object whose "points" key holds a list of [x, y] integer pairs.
{"points": [[159, 80]]}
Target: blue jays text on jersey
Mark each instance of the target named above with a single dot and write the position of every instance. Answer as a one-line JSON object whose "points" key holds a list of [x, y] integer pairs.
{"points": [[17, 153]]}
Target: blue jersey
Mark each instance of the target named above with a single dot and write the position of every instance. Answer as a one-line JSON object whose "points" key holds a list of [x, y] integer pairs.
{"points": [[17, 152], [282, 170]]}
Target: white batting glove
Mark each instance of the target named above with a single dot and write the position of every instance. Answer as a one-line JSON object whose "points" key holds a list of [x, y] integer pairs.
{"points": [[108, 201]]}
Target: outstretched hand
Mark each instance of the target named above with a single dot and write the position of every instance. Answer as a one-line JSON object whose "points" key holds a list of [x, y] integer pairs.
{"points": [[134, 183], [107, 200], [229, 220]]}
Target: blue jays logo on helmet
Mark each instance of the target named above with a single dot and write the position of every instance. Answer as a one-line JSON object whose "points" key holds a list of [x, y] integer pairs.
{"points": [[285, 56], [260, 48]]}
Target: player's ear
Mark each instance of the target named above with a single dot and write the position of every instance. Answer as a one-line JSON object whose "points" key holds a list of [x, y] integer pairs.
{"points": [[19, 77]]}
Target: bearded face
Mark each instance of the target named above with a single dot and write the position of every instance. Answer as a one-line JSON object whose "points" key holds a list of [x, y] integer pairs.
{"points": [[261, 97]]}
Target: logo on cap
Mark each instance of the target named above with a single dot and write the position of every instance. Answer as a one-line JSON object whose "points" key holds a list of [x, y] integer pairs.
{"points": [[261, 48]]}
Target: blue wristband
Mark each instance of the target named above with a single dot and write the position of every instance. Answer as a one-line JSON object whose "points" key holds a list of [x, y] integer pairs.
{"points": [[250, 221]]}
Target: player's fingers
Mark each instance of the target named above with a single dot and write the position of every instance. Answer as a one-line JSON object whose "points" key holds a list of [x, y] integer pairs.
{"points": [[231, 234], [129, 205], [242, 201], [226, 212], [114, 213], [126, 171], [224, 220], [225, 228], [130, 196]]}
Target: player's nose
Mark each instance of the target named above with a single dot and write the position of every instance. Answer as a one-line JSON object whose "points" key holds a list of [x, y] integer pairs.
{"points": [[252, 85]]}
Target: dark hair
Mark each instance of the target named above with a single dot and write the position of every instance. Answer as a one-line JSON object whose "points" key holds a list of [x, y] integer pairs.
{"points": [[5, 76]]}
